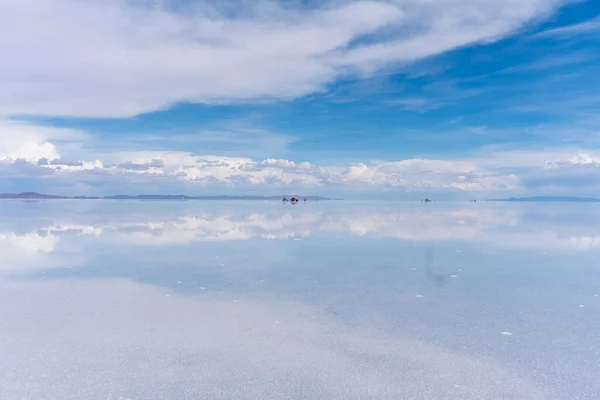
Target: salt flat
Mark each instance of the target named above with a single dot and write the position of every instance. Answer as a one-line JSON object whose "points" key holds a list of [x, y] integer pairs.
{"points": [[323, 300]]}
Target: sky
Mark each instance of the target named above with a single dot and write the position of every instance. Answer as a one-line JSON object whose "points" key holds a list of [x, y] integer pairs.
{"points": [[376, 99]]}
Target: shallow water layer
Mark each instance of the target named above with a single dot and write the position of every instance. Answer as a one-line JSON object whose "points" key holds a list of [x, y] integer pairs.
{"points": [[323, 300]]}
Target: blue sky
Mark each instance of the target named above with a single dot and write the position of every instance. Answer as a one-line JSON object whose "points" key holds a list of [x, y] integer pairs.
{"points": [[368, 99]]}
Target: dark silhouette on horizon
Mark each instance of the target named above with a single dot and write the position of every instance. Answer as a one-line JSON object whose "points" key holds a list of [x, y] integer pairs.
{"points": [[40, 196], [294, 200]]}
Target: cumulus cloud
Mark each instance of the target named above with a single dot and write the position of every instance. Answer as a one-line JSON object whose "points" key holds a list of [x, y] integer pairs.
{"points": [[61, 155], [33, 142], [580, 172], [34, 152], [430, 174], [407, 175], [578, 159], [121, 58], [156, 163]]}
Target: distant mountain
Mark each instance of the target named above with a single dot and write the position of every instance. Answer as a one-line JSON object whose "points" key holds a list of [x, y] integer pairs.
{"points": [[39, 196], [29, 195], [551, 199]]}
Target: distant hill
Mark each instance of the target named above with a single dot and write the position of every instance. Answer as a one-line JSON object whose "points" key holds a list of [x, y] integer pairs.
{"points": [[29, 195], [39, 196], [551, 199]]}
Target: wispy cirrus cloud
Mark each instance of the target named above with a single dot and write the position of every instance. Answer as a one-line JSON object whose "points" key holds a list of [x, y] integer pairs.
{"points": [[245, 141], [553, 62], [586, 27], [438, 94], [420, 104]]}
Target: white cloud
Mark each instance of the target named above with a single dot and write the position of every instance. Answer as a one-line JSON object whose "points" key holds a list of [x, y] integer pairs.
{"points": [[65, 157], [34, 152], [578, 173], [429, 174], [32, 142], [495, 157], [405, 175], [121, 58], [579, 159]]}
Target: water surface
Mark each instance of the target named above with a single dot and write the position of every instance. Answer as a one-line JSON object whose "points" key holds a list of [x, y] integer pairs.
{"points": [[324, 300]]}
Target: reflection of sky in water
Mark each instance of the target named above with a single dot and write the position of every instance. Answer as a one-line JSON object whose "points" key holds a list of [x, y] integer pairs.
{"points": [[324, 300]]}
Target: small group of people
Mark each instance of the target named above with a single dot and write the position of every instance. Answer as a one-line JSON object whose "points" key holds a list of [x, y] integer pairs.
{"points": [[293, 200]]}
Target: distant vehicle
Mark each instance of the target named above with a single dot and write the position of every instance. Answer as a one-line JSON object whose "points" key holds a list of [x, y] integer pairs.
{"points": [[426, 200]]}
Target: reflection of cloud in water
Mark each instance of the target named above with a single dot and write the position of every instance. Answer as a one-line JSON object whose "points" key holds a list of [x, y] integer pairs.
{"points": [[154, 346], [31, 242], [26, 250], [79, 229], [311, 319], [502, 226]]}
